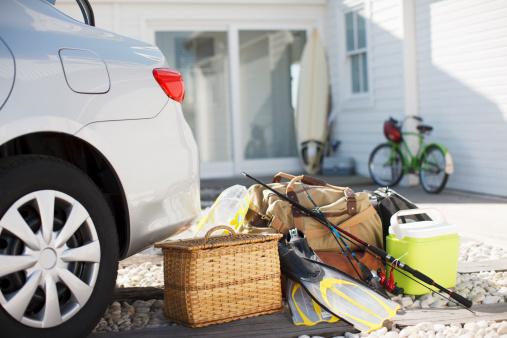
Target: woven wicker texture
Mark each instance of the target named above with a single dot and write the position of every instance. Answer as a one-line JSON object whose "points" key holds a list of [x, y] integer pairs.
{"points": [[219, 279]]}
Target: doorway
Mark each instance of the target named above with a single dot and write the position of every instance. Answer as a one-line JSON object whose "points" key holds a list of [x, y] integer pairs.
{"points": [[241, 90]]}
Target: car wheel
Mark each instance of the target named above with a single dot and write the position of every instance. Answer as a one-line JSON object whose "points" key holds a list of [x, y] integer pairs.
{"points": [[58, 249]]}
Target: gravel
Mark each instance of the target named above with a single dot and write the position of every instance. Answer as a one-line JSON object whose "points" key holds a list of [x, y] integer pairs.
{"points": [[477, 251], [477, 329], [482, 288], [141, 275], [130, 316]]}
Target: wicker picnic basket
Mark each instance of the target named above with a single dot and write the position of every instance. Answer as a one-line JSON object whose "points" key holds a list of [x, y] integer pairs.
{"points": [[218, 279]]}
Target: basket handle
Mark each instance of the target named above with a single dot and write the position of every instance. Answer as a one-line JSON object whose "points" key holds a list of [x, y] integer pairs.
{"points": [[218, 227]]}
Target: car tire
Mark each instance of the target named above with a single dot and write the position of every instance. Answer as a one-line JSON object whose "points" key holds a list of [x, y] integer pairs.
{"points": [[79, 274]]}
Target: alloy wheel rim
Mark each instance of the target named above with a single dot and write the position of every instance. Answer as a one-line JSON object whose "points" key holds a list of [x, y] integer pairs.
{"points": [[50, 258]]}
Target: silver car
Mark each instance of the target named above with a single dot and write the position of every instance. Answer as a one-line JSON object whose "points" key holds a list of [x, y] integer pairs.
{"points": [[97, 162]]}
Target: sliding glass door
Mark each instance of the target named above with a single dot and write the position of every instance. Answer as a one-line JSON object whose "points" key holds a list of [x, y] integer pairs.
{"points": [[203, 59], [269, 72], [241, 89]]}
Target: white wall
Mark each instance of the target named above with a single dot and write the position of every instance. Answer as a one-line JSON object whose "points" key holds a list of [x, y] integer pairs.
{"points": [[136, 18], [360, 120], [462, 71]]}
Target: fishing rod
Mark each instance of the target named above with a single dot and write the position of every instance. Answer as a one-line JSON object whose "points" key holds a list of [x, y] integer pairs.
{"points": [[371, 248], [366, 274]]}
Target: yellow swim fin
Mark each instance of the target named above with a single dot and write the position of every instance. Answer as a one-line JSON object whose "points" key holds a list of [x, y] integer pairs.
{"points": [[304, 310]]}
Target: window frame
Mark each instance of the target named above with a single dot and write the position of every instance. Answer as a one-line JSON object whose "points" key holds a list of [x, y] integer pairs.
{"points": [[349, 54]]}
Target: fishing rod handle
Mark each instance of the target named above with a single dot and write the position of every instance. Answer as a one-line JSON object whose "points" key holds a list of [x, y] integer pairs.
{"points": [[424, 278], [419, 275]]}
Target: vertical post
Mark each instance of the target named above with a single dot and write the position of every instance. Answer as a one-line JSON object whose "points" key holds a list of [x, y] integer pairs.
{"points": [[411, 104], [237, 142]]}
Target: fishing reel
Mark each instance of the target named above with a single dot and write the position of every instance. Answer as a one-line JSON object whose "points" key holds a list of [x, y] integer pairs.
{"points": [[389, 283]]}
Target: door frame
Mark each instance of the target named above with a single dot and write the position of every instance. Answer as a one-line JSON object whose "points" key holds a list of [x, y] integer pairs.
{"points": [[238, 163]]}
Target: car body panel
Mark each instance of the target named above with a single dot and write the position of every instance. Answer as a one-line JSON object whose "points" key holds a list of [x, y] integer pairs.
{"points": [[34, 28], [7, 72], [133, 124], [158, 169], [85, 71]]}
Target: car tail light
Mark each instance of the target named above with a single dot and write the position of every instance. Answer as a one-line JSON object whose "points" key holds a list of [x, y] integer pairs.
{"points": [[171, 82]]}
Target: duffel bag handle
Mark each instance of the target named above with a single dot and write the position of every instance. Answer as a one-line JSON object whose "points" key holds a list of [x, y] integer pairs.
{"points": [[350, 195], [218, 227], [305, 179]]}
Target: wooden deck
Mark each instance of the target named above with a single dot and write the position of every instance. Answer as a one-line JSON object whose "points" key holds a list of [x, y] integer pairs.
{"points": [[272, 326], [496, 265], [280, 326]]}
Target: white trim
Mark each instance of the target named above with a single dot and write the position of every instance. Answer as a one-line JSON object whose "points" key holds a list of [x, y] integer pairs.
{"points": [[357, 51], [410, 58], [269, 166], [235, 82], [210, 2], [348, 100], [216, 169], [411, 102]]}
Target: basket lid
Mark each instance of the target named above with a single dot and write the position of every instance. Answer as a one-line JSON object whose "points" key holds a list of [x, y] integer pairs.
{"points": [[209, 242]]}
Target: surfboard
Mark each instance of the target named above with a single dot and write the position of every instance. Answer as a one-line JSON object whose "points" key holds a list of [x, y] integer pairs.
{"points": [[312, 104]]}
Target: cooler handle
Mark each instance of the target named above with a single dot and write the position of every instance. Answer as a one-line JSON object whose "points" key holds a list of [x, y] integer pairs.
{"points": [[435, 215]]}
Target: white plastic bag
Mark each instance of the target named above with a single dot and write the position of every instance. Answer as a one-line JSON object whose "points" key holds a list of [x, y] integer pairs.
{"points": [[229, 208]]}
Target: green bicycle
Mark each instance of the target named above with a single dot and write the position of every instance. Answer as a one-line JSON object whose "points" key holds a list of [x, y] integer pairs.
{"points": [[390, 161]]}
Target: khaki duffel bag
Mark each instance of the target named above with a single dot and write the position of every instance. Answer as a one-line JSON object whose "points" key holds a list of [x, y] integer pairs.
{"points": [[341, 206]]}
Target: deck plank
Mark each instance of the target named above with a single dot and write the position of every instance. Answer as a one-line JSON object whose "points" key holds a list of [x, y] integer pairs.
{"points": [[132, 294], [489, 312], [494, 265], [278, 325]]}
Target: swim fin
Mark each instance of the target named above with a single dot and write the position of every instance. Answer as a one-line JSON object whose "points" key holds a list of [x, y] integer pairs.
{"points": [[336, 292], [304, 310]]}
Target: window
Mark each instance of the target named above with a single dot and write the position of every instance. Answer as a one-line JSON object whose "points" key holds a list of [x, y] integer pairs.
{"points": [[355, 25]]}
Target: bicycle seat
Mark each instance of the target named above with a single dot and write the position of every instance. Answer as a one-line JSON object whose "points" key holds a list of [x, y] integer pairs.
{"points": [[424, 128]]}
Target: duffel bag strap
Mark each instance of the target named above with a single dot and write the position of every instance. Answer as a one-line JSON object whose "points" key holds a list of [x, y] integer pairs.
{"points": [[303, 178], [350, 197], [292, 194], [359, 218]]}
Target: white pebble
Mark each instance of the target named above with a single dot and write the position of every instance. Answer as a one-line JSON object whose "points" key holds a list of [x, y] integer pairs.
{"points": [[407, 331], [502, 329], [438, 327], [424, 326], [491, 300], [351, 335], [406, 301], [391, 334]]}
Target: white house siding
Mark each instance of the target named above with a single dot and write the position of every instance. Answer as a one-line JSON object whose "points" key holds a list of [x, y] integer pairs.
{"points": [[360, 120], [462, 72]]}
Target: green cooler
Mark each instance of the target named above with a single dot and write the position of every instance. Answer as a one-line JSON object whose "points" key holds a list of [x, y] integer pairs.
{"points": [[431, 247]]}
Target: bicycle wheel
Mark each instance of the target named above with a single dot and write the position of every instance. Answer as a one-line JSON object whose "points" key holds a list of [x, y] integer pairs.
{"points": [[386, 165], [432, 172]]}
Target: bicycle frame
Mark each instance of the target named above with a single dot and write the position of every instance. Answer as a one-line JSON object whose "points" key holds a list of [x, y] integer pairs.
{"points": [[412, 162]]}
